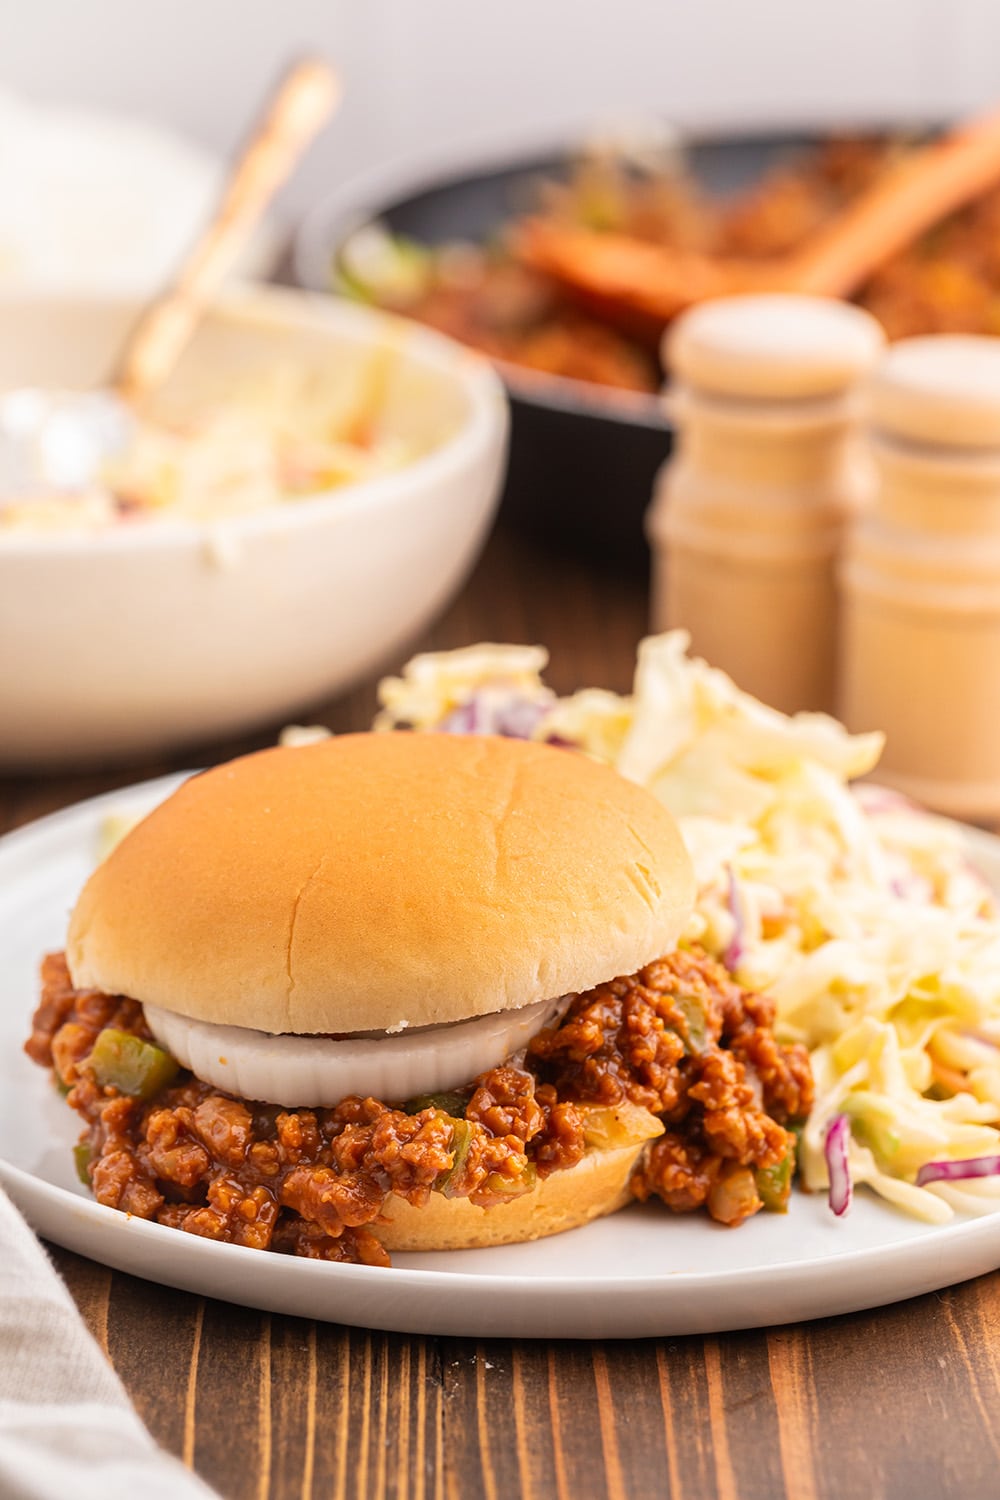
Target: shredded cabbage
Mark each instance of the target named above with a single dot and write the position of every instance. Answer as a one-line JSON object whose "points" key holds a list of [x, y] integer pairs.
{"points": [[266, 439], [858, 912]]}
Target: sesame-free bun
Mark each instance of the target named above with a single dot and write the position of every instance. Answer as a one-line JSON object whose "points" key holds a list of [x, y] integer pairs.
{"points": [[596, 1186], [373, 881]]}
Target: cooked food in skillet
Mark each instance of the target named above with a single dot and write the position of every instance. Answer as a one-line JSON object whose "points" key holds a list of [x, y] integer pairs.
{"points": [[530, 300]]}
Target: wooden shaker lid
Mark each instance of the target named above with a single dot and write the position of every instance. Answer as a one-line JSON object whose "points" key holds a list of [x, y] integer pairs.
{"points": [[773, 347], [942, 389]]}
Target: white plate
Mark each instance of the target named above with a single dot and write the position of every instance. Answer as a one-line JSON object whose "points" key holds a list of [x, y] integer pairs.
{"points": [[643, 1271]]}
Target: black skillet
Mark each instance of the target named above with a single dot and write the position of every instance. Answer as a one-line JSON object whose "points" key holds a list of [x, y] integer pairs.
{"points": [[582, 457]]}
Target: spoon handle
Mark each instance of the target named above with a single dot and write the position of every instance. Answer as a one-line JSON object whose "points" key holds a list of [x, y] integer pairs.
{"points": [[302, 102]]}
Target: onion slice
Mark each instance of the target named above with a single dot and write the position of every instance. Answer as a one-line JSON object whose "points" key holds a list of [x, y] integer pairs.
{"points": [[736, 951], [958, 1171], [838, 1135], [319, 1071], [495, 709]]}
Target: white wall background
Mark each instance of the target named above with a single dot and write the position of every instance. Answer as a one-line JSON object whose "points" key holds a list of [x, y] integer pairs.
{"points": [[424, 73]]}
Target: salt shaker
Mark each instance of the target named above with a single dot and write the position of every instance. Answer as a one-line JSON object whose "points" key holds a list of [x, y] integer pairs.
{"points": [[749, 513], [921, 576]]}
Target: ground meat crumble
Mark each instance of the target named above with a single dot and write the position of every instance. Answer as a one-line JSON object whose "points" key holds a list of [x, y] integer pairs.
{"points": [[679, 1038]]}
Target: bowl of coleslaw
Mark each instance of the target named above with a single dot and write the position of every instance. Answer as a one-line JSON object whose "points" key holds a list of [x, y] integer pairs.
{"points": [[309, 490]]}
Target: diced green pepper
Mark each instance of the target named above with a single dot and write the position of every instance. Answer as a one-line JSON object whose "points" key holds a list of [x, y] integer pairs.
{"points": [[380, 267], [125, 1062], [523, 1182], [449, 1103], [513, 1187], [774, 1184], [83, 1155], [461, 1140], [695, 1027]]}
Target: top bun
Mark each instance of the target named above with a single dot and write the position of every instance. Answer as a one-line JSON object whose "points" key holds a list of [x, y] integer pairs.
{"points": [[375, 881]]}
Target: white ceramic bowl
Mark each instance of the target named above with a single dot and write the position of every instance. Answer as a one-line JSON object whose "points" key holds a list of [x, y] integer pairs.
{"points": [[151, 637]]}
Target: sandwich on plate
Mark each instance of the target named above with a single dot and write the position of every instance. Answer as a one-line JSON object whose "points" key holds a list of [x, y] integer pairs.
{"points": [[409, 991]]}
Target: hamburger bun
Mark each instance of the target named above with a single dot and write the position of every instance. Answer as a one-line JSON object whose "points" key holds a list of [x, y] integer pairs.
{"points": [[596, 1186], [382, 881], [379, 883]]}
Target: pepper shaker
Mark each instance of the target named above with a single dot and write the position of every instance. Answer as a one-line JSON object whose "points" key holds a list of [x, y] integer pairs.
{"points": [[748, 514], [921, 576]]}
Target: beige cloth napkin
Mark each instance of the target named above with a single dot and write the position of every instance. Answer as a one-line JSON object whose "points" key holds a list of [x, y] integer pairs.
{"points": [[67, 1428]]}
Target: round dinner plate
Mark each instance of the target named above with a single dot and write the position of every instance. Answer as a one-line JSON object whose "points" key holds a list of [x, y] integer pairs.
{"points": [[641, 1272]]}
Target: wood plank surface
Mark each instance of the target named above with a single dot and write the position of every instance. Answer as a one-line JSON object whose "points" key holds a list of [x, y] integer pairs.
{"points": [[897, 1404]]}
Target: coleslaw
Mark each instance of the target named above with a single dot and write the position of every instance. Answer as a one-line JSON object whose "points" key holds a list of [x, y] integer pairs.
{"points": [[858, 912], [269, 438]]}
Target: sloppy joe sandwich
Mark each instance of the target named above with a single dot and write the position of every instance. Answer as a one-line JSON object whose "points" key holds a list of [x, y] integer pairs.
{"points": [[409, 991]]}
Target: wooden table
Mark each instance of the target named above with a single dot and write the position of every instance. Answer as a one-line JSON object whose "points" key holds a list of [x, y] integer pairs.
{"points": [[903, 1402]]}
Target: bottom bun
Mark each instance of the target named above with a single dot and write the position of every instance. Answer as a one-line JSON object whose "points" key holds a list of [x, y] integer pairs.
{"points": [[597, 1185]]}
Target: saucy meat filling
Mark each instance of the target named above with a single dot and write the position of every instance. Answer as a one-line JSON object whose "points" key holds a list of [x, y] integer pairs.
{"points": [[679, 1040]]}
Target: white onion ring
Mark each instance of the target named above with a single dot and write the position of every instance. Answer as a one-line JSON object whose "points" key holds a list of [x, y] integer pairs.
{"points": [[317, 1071]]}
